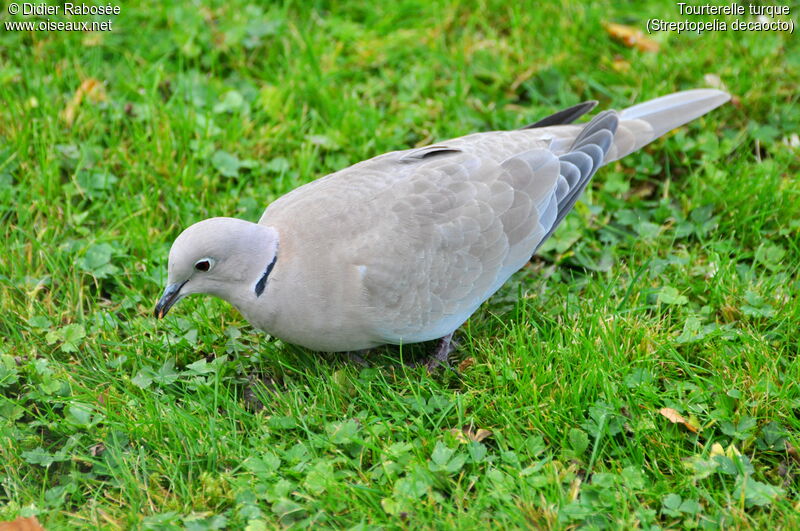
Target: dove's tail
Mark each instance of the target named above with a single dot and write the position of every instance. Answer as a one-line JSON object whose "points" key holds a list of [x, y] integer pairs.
{"points": [[641, 124]]}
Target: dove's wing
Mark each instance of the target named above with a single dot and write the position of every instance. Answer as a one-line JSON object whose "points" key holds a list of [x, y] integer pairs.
{"points": [[468, 223]]}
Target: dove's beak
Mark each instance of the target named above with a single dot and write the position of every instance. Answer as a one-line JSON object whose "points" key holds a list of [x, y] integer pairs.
{"points": [[171, 295]]}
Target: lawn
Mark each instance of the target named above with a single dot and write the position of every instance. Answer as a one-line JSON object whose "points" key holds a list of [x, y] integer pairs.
{"points": [[641, 372]]}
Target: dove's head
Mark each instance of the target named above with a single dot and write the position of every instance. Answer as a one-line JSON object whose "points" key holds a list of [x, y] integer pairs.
{"points": [[226, 257]]}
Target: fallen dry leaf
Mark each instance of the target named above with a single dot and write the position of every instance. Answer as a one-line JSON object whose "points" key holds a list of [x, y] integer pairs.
{"points": [[676, 418], [631, 37], [465, 435], [466, 364], [91, 89], [22, 524]]}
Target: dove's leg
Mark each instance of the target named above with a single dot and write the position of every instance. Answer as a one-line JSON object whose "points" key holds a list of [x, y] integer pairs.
{"points": [[440, 355]]}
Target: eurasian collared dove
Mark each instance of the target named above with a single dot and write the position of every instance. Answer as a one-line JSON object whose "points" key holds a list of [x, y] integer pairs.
{"points": [[404, 247]]}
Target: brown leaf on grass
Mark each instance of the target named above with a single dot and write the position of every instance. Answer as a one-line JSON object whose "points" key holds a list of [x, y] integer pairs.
{"points": [[676, 418], [22, 524], [466, 364], [631, 37], [465, 435], [90, 89]]}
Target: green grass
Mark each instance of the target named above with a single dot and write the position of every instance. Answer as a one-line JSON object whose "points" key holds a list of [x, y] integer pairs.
{"points": [[673, 285]]}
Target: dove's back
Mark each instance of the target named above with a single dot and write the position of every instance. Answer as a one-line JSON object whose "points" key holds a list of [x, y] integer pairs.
{"points": [[404, 247]]}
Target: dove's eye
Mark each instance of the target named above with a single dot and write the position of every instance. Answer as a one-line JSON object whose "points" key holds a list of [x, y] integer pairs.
{"points": [[203, 265]]}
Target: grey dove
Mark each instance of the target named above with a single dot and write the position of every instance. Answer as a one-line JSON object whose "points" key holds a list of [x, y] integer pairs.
{"points": [[404, 247]]}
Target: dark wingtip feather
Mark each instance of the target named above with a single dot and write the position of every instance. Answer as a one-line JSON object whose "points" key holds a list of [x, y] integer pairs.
{"points": [[566, 116]]}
